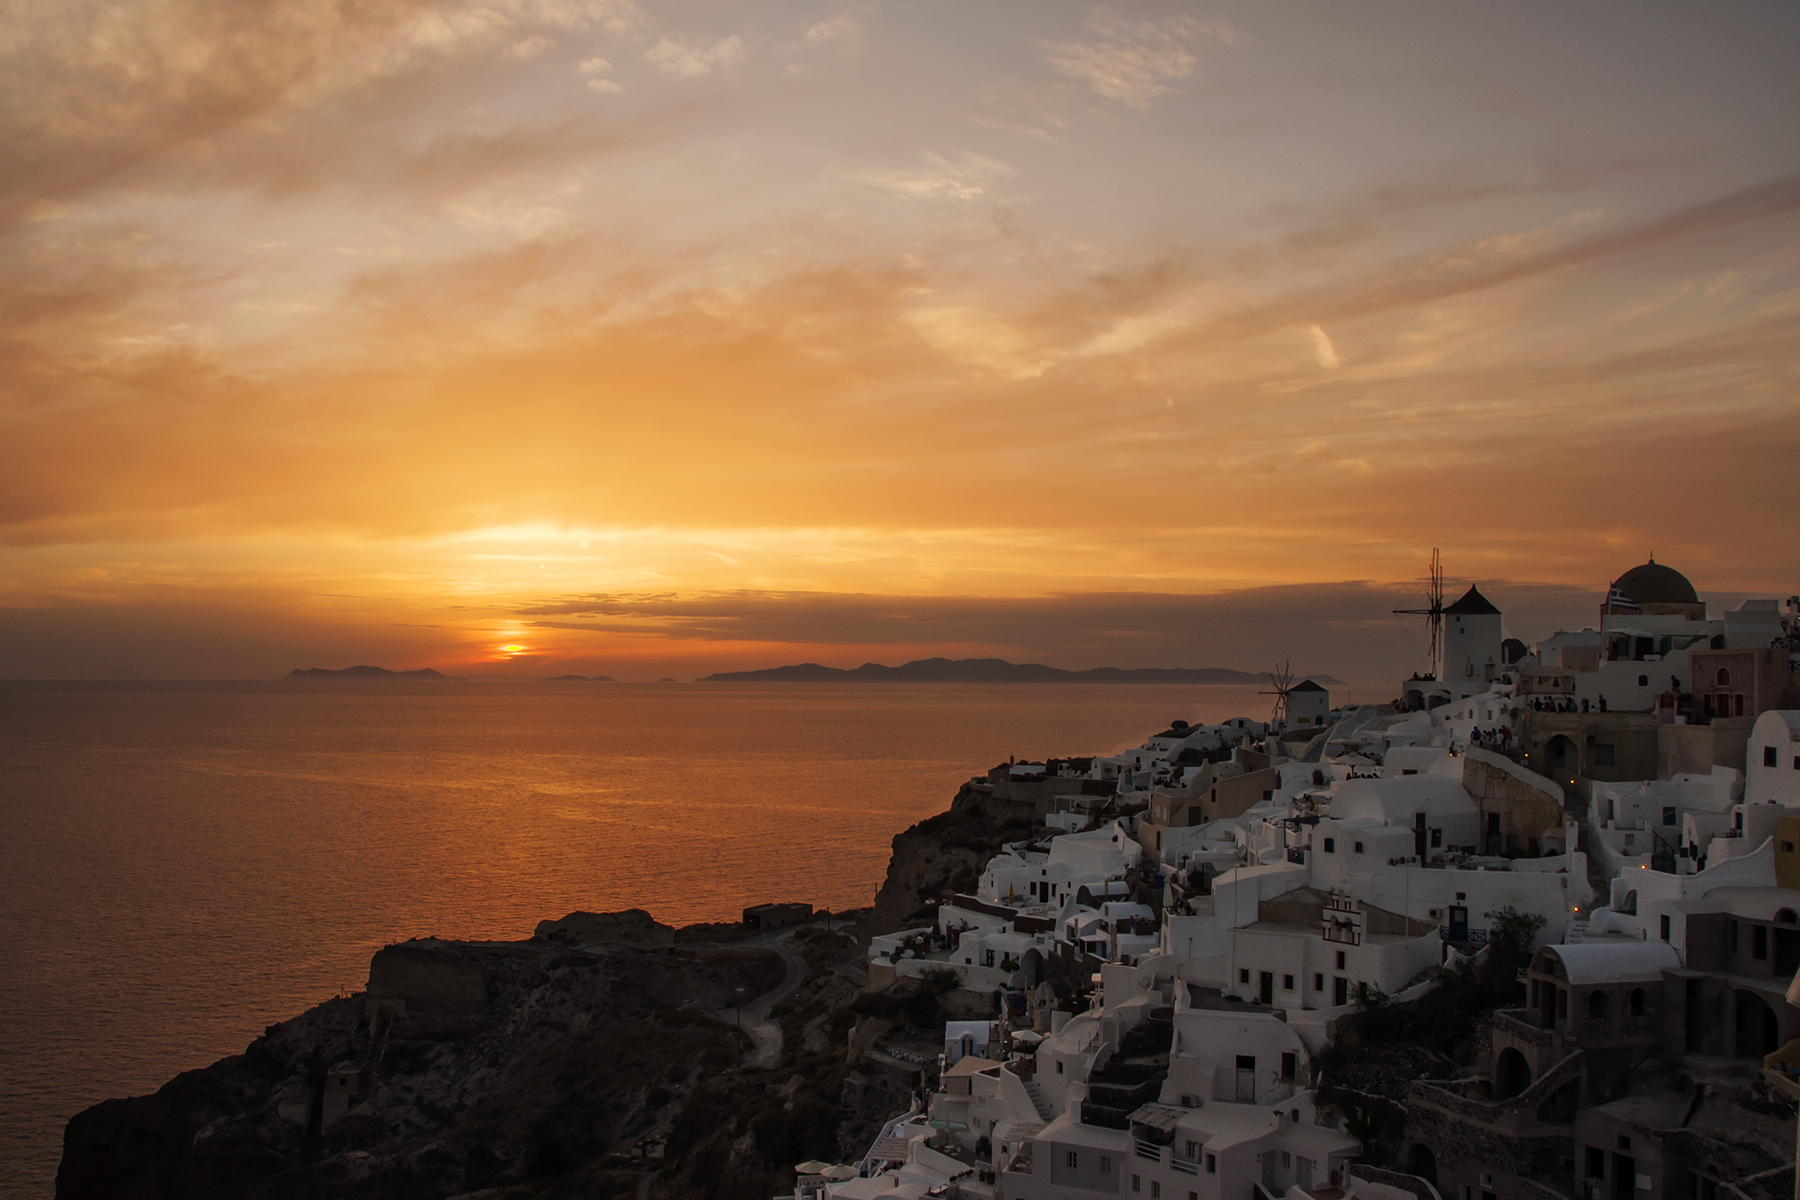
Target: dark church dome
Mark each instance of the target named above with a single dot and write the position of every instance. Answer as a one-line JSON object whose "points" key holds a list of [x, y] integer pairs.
{"points": [[1654, 583]]}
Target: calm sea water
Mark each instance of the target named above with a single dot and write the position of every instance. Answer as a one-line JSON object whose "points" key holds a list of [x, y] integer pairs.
{"points": [[183, 864]]}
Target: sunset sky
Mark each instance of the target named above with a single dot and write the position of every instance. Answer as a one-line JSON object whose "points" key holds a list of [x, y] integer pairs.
{"points": [[671, 338]]}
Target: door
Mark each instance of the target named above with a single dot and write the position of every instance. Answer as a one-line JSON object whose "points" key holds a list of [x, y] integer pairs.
{"points": [[1265, 991], [1459, 922], [1624, 1180], [1246, 1079], [1419, 835], [1340, 991]]}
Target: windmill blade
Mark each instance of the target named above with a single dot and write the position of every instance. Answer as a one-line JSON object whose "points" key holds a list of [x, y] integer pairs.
{"points": [[1282, 677], [1433, 612]]}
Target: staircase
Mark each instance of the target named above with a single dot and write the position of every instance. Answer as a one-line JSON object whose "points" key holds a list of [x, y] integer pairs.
{"points": [[1596, 878], [1044, 1111], [1576, 931]]}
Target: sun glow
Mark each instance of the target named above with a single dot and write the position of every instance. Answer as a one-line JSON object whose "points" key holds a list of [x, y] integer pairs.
{"points": [[513, 649]]}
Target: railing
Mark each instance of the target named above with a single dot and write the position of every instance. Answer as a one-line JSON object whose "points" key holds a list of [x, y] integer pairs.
{"points": [[1349, 935], [1184, 1166], [1476, 937], [1149, 1150]]}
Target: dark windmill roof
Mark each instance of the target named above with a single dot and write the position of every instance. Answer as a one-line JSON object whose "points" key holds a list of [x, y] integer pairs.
{"points": [[1654, 583], [1306, 685], [1473, 604]]}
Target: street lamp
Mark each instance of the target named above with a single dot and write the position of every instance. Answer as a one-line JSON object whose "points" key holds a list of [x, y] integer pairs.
{"points": [[737, 1042]]}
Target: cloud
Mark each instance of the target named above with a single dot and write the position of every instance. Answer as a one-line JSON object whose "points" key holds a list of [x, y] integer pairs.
{"points": [[1136, 61], [1347, 629], [1323, 350], [966, 176], [529, 47], [831, 29], [689, 62]]}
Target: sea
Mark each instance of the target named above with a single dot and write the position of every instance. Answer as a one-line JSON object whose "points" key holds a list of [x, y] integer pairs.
{"points": [[183, 864]]}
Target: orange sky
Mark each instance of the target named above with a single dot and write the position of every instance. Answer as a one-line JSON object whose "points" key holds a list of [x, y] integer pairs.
{"points": [[673, 338]]}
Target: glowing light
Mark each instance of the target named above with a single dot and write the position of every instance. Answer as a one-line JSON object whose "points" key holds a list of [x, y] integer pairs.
{"points": [[512, 649]]}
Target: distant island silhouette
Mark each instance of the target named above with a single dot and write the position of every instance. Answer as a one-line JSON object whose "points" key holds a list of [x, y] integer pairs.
{"points": [[364, 672], [579, 679], [991, 670]]}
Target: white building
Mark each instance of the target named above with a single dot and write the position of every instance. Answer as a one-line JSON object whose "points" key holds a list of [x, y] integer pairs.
{"points": [[1632, 822], [1472, 637], [1773, 768]]}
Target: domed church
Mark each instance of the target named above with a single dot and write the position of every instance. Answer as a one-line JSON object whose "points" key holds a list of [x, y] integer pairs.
{"points": [[1653, 590]]}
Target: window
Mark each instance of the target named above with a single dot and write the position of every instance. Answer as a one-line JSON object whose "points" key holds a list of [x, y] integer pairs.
{"points": [[1665, 927], [1759, 941], [1331, 843], [1340, 960], [1603, 754], [1155, 1190], [1359, 847], [1212, 1164], [1137, 1183], [1437, 838], [1193, 1149], [1596, 1163], [1624, 1142], [1244, 975], [1287, 1159], [987, 958], [1059, 1069], [1071, 1160], [1596, 1005], [1668, 814], [1724, 677], [1643, 681], [1638, 1001], [1770, 757], [1562, 1003], [1318, 981], [1289, 1064], [1287, 983], [1106, 1164]]}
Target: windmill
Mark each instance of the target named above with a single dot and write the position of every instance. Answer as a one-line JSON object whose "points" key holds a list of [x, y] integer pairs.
{"points": [[1283, 679], [1433, 612]]}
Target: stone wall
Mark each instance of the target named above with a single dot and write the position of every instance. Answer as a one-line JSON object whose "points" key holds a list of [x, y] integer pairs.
{"points": [[1530, 806]]}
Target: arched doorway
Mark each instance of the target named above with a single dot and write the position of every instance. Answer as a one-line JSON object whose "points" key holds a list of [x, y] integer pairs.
{"points": [[1512, 1074], [1031, 966], [1561, 756], [1758, 1030], [1422, 1162]]}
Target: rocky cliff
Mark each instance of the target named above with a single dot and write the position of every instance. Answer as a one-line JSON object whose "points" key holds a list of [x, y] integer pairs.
{"points": [[569, 1059], [604, 1050], [944, 854]]}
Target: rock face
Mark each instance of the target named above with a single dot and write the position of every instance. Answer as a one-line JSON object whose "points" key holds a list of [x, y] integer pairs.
{"points": [[554, 1066], [633, 929], [944, 854], [426, 977], [465, 1066]]}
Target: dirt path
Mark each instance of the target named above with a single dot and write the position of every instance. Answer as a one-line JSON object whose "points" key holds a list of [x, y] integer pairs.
{"points": [[755, 1015]]}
